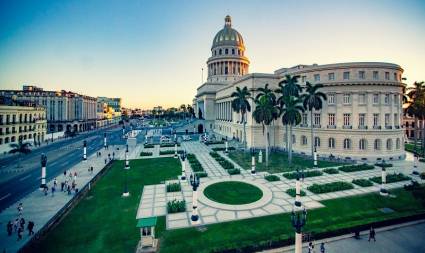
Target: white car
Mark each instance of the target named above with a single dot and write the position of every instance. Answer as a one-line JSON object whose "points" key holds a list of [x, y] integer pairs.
{"points": [[186, 138], [165, 139]]}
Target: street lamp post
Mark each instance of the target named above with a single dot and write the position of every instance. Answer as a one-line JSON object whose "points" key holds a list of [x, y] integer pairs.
{"points": [[383, 191], [123, 131], [315, 158], [297, 202], [415, 162], [104, 140], [175, 151], [85, 151], [194, 182], [253, 162], [183, 157], [260, 157], [227, 147], [43, 171], [298, 220], [126, 168]]}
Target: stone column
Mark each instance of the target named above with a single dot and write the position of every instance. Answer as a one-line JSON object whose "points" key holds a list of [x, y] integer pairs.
{"points": [[227, 147], [175, 151], [43, 171], [315, 158], [253, 164], [297, 192], [104, 141], [383, 190]]}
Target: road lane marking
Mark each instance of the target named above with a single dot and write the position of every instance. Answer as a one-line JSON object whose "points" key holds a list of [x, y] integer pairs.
{"points": [[22, 179], [5, 196]]}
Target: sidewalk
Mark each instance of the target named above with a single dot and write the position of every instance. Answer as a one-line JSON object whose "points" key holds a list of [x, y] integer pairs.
{"points": [[40, 208]]}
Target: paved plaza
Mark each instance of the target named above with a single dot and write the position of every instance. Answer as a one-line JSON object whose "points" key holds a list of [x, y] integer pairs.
{"points": [[274, 201]]}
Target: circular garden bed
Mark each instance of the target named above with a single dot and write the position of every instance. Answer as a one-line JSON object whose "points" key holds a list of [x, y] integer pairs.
{"points": [[233, 193]]}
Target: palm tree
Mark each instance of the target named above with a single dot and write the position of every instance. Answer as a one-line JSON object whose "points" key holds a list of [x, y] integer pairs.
{"points": [[417, 96], [190, 110], [291, 115], [240, 104], [265, 112], [20, 148], [313, 99], [183, 109]]}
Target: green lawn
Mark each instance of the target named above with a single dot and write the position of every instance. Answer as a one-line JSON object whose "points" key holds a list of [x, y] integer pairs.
{"points": [[411, 147], [233, 193], [278, 162], [104, 221], [338, 213]]}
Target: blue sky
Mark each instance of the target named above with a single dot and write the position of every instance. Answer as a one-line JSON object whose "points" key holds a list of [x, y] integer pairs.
{"points": [[151, 52]]}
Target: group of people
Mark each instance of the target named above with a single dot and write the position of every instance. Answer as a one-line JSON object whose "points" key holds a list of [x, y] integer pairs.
{"points": [[18, 225], [311, 247]]}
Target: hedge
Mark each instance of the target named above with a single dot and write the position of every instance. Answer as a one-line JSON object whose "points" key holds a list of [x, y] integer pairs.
{"points": [[331, 171], [173, 187], [362, 182], [223, 149], [272, 178], [176, 206], [169, 145], [223, 162], [194, 163], [148, 146], [234, 171], [354, 168], [383, 165], [391, 178], [145, 153], [213, 142], [170, 152], [201, 174], [330, 187], [309, 173], [291, 192]]}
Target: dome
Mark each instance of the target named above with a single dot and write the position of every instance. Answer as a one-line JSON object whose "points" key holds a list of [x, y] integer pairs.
{"points": [[227, 36]]}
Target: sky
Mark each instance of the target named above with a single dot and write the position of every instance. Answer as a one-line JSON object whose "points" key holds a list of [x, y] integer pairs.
{"points": [[151, 52]]}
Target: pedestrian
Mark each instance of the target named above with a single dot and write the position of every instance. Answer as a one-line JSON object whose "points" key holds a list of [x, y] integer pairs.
{"points": [[16, 224], [53, 191], [46, 190], [310, 247], [113, 155], [9, 228], [20, 230], [100, 153], [62, 185], [91, 170], [69, 190], [105, 161], [372, 234], [30, 227], [20, 209], [64, 173], [322, 247], [55, 183]]}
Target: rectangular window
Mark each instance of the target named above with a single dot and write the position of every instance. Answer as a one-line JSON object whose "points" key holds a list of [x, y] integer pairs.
{"points": [[396, 119], [346, 75], [331, 99], [387, 99], [347, 119], [375, 99], [395, 77], [362, 99], [303, 79], [387, 75], [316, 77], [396, 99], [362, 75], [317, 119], [387, 119], [362, 119], [304, 119], [375, 119], [331, 119], [331, 76], [346, 99], [375, 75]]}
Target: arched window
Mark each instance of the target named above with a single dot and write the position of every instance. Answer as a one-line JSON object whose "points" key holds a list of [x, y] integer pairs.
{"points": [[233, 51], [12, 139], [219, 52], [362, 144], [293, 139], [347, 144], [397, 143], [316, 141], [377, 144], [304, 140], [331, 143], [389, 144], [226, 51]]}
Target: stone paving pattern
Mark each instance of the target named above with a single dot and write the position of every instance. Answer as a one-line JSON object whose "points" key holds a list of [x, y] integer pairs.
{"points": [[154, 198]]}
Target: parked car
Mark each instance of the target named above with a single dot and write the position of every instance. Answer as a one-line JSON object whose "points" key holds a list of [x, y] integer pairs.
{"points": [[165, 139], [187, 138]]}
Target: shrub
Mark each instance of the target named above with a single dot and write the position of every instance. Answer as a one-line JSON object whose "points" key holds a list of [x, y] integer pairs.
{"points": [[383, 165], [234, 171], [214, 154], [354, 168], [412, 186], [330, 187], [176, 206], [223, 162], [201, 174], [291, 192], [145, 153], [422, 160], [170, 152], [391, 178], [148, 146], [422, 175], [213, 142], [331, 171], [309, 173], [223, 148], [169, 145], [173, 187], [272, 178], [194, 163], [362, 182]]}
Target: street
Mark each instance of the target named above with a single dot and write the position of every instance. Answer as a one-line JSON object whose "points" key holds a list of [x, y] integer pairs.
{"points": [[61, 155]]}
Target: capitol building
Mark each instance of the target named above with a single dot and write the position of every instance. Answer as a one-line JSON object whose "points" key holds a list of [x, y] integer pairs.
{"points": [[361, 119]]}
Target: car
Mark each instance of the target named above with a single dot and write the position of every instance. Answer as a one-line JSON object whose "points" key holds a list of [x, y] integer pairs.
{"points": [[165, 139], [187, 138]]}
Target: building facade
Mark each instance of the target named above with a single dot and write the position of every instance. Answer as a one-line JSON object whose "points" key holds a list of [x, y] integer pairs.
{"points": [[361, 119], [108, 111], [65, 110], [24, 123]]}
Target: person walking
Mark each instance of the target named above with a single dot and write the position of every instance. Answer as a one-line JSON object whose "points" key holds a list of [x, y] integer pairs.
{"points": [[30, 228], [64, 173], [55, 183], [372, 234], [62, 186], [69, 190], [322, 247], [16, 224], [46, 190], [53, 191], [310, 247], [9, 228], [20, 209], [20, 230], [22, 223]]}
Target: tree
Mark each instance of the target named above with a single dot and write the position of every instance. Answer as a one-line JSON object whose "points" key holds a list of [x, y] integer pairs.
{"points": [[183, 109], [20, 148], [265, 112], [416, 108], [313, 99], [240, 104], [290, 110], [190, 110]]}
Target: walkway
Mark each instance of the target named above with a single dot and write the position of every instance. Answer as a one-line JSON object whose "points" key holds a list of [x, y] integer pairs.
{"points": [[40, 209]]}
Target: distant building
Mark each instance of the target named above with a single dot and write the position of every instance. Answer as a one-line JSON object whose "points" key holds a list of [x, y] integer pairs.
{"points": [[21, 123], [409, 126], [108, 111], [65, 110]]}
